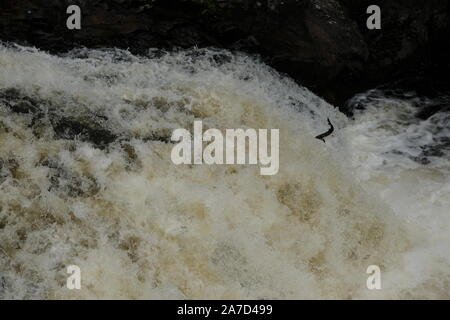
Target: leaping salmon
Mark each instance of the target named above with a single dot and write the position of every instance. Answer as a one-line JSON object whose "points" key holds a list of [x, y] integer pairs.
{"points": [[326, 134]]}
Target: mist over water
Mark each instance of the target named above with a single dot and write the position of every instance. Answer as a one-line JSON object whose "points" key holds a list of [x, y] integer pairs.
{"points": [[86, 178]]}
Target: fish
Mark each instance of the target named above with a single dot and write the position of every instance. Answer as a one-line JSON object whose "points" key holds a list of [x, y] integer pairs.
{"points": [[326, 134]]}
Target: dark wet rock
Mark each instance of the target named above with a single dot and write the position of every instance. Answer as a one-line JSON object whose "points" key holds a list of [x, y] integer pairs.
{"points": [[433, 108], [159, 136], [426, 96], [71, 129], [83, 126], [324, 44], [13, 98], [87, 129], [434, 105], [439, 148]]}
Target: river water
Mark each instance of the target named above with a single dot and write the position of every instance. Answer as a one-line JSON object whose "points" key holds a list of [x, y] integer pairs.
{"points": [[86, 179]]}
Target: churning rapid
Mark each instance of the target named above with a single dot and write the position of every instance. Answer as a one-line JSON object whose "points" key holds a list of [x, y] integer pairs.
{"points": [[86, 179]]}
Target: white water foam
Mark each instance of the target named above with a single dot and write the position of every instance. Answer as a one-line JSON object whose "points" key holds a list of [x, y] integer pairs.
{"points": [[112, 202], [406, 161]]}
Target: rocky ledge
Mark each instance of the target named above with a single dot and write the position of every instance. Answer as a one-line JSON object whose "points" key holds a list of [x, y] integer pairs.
{"points": [[324, 44]]}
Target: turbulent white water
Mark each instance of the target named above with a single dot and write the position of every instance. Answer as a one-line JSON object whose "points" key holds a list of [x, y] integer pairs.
{"points": [[86, 179]]}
